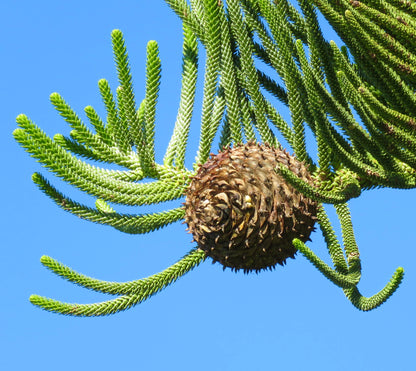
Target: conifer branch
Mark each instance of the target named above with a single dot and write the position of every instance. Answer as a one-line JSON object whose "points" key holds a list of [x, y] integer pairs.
{"points": [[189, 17], [177, 145], [111, 108], [342, 280], [133, 292], [351, 189], [334, 247], [229, 82], [213, 50], [104, 214], [350, 245], [126, 100], [369, 303], [153, 71], [71, 144], [99, 126]]}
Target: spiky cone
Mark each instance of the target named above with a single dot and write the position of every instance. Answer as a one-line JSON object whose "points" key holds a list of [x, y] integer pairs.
{"points": [[245, 215]]}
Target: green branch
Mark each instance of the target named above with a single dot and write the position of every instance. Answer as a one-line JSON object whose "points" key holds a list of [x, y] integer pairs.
{"points": [[351, 188], [366, 304], [133, 292]]}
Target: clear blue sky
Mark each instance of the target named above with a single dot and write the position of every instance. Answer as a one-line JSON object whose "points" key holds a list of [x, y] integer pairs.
{"points": [[289, 319]]}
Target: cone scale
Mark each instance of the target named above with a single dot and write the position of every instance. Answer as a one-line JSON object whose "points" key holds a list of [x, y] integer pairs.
{"points": [[243, 214]]}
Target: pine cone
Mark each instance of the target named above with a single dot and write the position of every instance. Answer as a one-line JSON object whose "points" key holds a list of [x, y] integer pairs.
{"points": [[245, 215]]}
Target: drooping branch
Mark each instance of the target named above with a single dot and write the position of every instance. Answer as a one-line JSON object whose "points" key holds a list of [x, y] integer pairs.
{"points": [[132, 292], [369, 303]]}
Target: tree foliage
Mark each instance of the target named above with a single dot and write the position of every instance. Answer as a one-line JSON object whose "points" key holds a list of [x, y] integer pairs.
{"points": [[357, 100]]}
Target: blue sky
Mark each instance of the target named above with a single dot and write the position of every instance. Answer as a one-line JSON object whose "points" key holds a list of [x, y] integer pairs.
{"points": [[289, 319]]}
